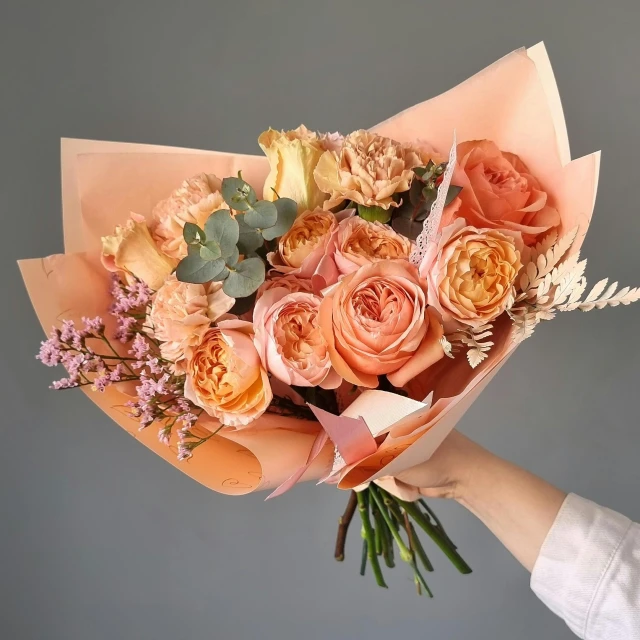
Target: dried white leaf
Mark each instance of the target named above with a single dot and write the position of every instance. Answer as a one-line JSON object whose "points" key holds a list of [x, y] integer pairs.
{"points": [[475, 357]]}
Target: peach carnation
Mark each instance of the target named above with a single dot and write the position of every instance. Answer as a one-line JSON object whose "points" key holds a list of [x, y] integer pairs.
{"points": [[194, 201], [180, 315], [368, 170]]}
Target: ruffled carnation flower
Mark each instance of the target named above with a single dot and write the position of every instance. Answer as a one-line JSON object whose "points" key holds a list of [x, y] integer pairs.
{"points": [[368, 170], [194, 201], [293, 155], [498, 191], [289, 341], [181, 313], [376, 321], [356, 242], [470, 273], [225, 376]]}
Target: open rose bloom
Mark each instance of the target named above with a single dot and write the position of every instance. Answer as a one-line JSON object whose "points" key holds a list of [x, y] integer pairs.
{"points": [[350, 308]]}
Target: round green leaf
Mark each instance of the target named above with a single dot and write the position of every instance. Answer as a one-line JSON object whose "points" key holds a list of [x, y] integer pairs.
{"points": [[233, 258], [238, 194], [192, 233], [374, 214], [210, 251], [287, 212], [249, 239], [247, 276], [262, 215], [222, 228], [198, 271]]}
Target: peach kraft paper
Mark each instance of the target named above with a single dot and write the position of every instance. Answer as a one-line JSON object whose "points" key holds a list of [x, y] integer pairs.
{"points": [[513, 102]]}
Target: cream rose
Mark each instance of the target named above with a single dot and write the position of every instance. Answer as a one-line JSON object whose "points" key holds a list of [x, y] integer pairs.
{"points": [[131, 250], [194, 201], [289, 341], [470, 273], [356, 242], [225, 377], [498, 191], [293, 155], [180, 315], [376, 321], [368, 170]]}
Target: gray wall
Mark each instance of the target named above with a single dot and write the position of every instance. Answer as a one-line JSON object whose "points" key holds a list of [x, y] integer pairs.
{"points": [[99, 538]]}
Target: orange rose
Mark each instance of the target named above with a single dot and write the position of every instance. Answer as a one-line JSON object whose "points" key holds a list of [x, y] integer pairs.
{"points": [[376, 321], [287, 281], [470, 273], [368, 169], [225, 377], [499, 192]]}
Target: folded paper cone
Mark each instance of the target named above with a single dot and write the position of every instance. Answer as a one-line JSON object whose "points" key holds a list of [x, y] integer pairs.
{"points": [[514, 102]]}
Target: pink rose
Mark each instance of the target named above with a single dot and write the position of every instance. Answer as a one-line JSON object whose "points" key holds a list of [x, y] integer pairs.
{"points": [[225, 377], [499, 192], [356, 242], [470, 273], [288, 281], [289, 341], [376, 321]]}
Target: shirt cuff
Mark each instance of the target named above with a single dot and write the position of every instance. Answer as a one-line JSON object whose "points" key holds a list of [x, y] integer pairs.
{"points": [[574, 558]]}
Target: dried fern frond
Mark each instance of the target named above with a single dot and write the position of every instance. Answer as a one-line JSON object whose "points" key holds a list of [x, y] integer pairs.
{"points": [[596, 299], [473, 337]]}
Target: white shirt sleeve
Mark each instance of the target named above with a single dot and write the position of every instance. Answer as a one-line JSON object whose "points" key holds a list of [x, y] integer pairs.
{"points": [[588, 571]]}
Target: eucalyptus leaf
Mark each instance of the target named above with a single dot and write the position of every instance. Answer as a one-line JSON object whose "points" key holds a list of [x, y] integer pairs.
{"points": [[452, 194], [222, 228], [198, 271], [287, 212], [247, 276], [415, 192], [249, 239], [222, 275], [192, 233], [262, 215], [238, 194], [420, 171], [407, 227], [210, 251], [232, 259], [374, 214]]}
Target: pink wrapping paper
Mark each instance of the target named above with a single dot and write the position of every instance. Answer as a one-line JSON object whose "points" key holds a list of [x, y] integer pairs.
{"points": [[514, 102]]}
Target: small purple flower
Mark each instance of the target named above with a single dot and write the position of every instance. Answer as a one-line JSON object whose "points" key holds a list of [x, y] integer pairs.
{"points": [[64, 383], [139, 347], [50, 353], [93, 325]]}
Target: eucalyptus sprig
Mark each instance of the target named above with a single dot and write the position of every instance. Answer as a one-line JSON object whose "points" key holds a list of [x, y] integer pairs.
{"points": [[409, 218], [225, 249]]}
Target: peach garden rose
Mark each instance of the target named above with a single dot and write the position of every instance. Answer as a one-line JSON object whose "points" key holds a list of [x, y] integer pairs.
{"points": [[376, 321], [470, 273], [224, 375], [289, 341], [498, 191]]}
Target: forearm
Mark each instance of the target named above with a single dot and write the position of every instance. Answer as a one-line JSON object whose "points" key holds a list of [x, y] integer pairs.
{"points": [[517, 506]]}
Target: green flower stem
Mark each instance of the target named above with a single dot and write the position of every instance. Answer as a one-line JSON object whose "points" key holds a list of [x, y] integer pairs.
{"points": [[363, 505], [435, 518], [455, 558], [405, 553], [380, 525], [363, 561]]}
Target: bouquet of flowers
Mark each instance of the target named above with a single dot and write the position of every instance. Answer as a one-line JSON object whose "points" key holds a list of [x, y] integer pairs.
{"points": [[328, 311]]}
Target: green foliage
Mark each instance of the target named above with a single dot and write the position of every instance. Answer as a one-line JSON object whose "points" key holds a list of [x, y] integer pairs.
{"points": [[408, 219], [374, 214], [214, 252]]}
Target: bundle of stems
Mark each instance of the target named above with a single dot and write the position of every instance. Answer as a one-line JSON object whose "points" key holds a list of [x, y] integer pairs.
{"points": [[388, 522]]}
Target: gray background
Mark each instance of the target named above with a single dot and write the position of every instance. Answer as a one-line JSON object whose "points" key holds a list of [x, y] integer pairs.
{"points": [[102, 540]]}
